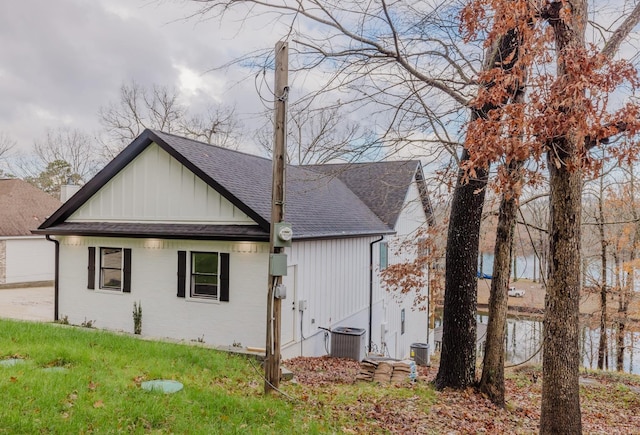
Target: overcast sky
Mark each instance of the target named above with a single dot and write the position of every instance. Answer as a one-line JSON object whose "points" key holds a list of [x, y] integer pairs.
{"points": [[61, 60]]}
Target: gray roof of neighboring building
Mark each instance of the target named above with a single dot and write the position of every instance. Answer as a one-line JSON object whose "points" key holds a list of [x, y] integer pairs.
{"points": [[317, 206], [23, 207]]}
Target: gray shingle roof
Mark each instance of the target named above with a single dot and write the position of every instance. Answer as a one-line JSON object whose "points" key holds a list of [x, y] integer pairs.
{"points": [[382, 186], [317, 205], [23, 207]]}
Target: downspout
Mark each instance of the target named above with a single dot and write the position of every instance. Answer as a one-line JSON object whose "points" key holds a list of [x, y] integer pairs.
{"points": [[371, 288], [55, 277]]}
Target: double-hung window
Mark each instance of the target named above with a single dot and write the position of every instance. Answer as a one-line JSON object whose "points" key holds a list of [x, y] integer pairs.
{"points": [[205, 275], [114, 269], [111, 268]]}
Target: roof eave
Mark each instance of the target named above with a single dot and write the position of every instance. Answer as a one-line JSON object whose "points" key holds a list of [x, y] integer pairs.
{"points": [[154, 235], [308, 237]]}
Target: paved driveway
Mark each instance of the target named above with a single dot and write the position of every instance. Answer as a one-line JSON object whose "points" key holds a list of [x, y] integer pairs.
{"points": [[33, 303]]}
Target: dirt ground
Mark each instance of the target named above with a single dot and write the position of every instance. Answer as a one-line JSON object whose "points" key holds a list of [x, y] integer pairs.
{"points": [[535, 293]]}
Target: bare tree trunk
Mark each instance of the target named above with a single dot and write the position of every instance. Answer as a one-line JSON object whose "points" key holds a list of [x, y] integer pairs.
{"points": [[560, 410], [623, 313], [492, 380], [561, 358], [458, 355], [602, 345], [629, 287]]}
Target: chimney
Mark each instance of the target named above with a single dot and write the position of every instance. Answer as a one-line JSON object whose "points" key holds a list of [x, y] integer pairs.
{"points": [[67, 191]]}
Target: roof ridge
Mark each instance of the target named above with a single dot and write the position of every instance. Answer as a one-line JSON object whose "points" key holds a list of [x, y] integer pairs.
{"points": [[219, 147]]}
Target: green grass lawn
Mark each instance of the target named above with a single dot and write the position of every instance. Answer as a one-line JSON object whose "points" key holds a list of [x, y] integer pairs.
{"points": [[79, 380], [98, 389], [76, 380]]}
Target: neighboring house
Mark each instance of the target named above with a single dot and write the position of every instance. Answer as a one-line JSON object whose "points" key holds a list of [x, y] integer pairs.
{"points": [[182, 227], [25, 259]]}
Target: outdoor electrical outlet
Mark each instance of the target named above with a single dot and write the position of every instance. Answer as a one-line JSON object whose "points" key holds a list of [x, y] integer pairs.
{"points": [[281, 291]]}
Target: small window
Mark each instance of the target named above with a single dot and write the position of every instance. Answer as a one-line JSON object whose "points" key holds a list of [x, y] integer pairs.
{"points": [[423, 247], [384, 255], [111, 267], [205, 275], [402, 322]]}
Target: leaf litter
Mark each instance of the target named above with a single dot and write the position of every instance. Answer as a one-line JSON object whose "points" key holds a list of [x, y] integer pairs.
{"points": [[610, 402]]}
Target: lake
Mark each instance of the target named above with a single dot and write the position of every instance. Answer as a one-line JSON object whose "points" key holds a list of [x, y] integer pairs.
{"points": [[524, 341]]}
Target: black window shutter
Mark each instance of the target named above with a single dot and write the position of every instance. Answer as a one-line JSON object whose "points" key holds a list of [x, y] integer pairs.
{"points": [[91, 276], [126, 285], [182, 272], [224, 277]]}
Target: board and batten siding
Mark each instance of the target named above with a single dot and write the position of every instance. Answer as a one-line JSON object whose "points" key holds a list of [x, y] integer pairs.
{"points": [[332, 276], [155, 187], [411, 221], [154, 285]]}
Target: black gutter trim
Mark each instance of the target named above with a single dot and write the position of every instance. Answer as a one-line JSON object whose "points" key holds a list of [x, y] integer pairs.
{"points": [[371, 288], [236, 238], [56, 278], [298, 238]]}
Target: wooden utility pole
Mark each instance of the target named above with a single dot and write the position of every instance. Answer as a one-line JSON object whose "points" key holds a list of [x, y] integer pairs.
{"points": [[272, 358]]}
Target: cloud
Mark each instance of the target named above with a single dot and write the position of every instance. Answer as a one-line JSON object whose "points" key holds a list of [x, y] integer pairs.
{"points": [[61, 61]]}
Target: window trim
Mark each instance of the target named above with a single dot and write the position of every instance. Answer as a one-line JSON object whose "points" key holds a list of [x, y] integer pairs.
{"points": [[125, 270], [193, 274], [184, 275], [384, 255], [103, 268]]}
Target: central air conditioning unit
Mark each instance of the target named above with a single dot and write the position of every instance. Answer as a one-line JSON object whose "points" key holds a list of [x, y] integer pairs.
{"points": [[348, 343]]}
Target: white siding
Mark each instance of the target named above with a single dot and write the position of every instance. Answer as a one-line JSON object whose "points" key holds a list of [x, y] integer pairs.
{"points": [[29, 259], [154, 285], [411, 222], [156, 187], [333, 277]]}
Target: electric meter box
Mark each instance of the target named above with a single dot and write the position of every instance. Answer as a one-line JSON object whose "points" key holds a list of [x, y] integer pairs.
{"points": [[282, 235], [278, 264]]}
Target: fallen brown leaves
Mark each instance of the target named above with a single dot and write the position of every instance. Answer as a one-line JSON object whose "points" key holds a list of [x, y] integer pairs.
{"points": [[610, 402], [323, 370]]}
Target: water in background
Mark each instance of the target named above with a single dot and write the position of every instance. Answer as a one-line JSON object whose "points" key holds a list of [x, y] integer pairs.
{"points": [[524, 266], [524, 342]]}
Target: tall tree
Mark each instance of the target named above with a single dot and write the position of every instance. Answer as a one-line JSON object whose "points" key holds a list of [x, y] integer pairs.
{"points": [[7, 144], [161, 108], [70, 145], [64, 155], [319, 135], [492, 380], [562, 120], [51, 178], [405, 64]]}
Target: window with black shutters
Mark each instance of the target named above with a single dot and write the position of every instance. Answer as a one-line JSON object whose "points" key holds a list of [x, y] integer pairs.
{"points": [[115, 269], [208, 275]]}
